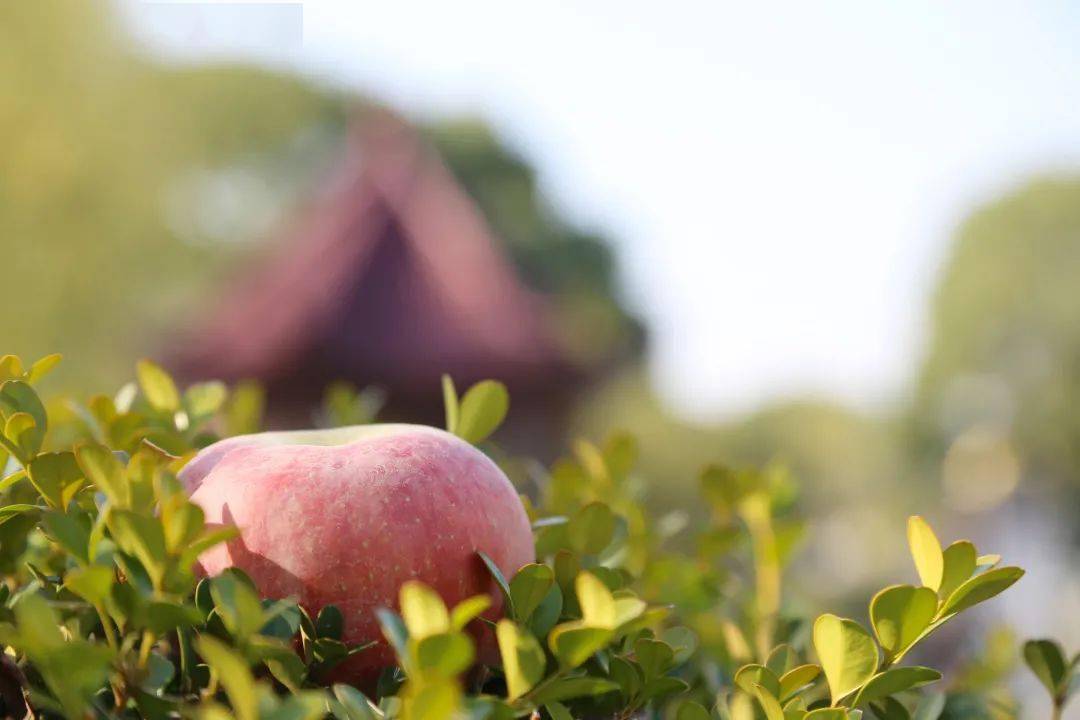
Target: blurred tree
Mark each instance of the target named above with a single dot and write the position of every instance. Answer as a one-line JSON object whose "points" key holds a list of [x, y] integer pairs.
{"points": [[577, 268], [130, 187], [1000, 386], [109, 159]]}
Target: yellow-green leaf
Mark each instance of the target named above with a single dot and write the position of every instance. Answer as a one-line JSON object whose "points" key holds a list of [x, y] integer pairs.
{"points": [[450, 402], [467, 610], [522, 656], [750, 676], [899, 615], [43, 367], [797, 678], [596, 601], [894, 680], [1046, 659], [528, 588], [958, 564], [423, 610], [769, 704], [102, 469], [847, 653], [91, 583], [979, 588], [233, 674], [573, 643], [445, 654], [157, 386], [926, 552], [482, 410]]}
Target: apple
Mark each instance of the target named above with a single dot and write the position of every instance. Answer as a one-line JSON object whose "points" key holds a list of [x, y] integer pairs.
{"points": [[345, 516]]}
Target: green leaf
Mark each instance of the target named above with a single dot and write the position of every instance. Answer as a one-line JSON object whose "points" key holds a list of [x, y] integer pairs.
{"points": [[43, 367], [423, 610], [596, 601], [281, 619], [467, 610], [930, 706], [450, 402], [10, 511], [769, 704], [558, 711], [900, 614], [482, 410], [573, 643], [445, 654], [244, 412], [74, 670], [572, 687], [164, 616], [654, 657], [17, 396], [523, 658], [827, 714], [11, 367], [797, 678], [690, 710], [926, 552], [1047, 660], [591, 528], [101, 468], [528, 588], [141, 536], [302, 705], [434, 701], [57, 477], [11, 479], [92, 583], [627, 674], [393, 629], [628, 608], [782, 658], [682, 640], [157, 386], [355, 704], [329, 623], [233, 674], [847, 653], [959, 561], [894, 680], [890, 709], [204, 400], [500, 581], [547, 613], [71, 532], [207, 540], [661, 687], [183, 521], [159, 672], [980, 588], [750, 676], [22, 435], [238, 605]]}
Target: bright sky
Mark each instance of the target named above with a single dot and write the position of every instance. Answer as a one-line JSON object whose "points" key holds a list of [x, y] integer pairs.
{"points": [[781, 178]]}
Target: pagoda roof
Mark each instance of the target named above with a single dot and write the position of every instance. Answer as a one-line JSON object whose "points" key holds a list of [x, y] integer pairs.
{"points": [[390, 275]]}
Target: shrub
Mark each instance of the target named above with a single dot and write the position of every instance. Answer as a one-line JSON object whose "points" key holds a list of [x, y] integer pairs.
{"points": [[103, 615]]}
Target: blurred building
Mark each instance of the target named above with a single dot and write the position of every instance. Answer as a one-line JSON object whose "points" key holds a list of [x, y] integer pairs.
{"points": [[390, 277]]}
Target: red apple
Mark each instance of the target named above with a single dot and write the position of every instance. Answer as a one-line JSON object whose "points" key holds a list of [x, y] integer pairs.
{"points": [[345, 516]]}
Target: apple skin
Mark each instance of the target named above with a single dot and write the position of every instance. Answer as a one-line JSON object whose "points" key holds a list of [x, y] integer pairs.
{"points": [[345, 516]]}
